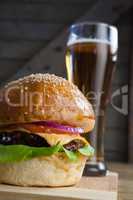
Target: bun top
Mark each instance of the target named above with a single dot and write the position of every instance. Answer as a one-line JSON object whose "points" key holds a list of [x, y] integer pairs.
{"points": [[41, 97]]}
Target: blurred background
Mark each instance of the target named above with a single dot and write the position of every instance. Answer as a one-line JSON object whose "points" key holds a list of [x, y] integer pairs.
{"points": [[33, 35]]}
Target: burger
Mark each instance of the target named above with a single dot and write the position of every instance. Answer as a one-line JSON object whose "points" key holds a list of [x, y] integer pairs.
{"points": [[42, 121]]}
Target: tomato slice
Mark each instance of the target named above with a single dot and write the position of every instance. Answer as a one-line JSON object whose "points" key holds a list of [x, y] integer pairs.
{"points": [[44, 129]]}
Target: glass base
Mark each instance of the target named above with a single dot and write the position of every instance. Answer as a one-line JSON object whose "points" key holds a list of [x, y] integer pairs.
{"points": [[95, 169]]}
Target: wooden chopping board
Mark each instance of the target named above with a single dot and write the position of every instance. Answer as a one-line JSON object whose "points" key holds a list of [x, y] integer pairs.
{"points": [[89, 188]]}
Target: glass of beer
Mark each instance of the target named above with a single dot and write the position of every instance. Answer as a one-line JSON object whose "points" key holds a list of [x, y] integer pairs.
{"points": [[91, 56]]}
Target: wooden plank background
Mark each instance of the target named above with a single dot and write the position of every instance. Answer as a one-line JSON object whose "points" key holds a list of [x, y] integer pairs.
{"points": [[27, 26]]}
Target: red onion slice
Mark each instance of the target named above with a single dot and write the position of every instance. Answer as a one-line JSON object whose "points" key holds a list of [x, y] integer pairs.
{"points": [[60, 127]]}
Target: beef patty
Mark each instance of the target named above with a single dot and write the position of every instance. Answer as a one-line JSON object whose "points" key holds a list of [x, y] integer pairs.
{"points": [[20, 137]]}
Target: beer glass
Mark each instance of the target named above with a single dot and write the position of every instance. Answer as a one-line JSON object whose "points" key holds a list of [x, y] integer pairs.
{"points": [[91, 56]]}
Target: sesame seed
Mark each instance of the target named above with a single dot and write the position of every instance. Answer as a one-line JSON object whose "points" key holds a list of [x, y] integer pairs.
{"points": [[26, 88], [26, 113], [46, 78]]}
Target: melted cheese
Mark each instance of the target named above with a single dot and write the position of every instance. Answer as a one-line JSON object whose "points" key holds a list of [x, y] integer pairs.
{"points": [[53, 139]]}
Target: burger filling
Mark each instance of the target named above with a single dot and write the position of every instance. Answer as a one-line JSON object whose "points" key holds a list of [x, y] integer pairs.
{"points": [[27, 141]]}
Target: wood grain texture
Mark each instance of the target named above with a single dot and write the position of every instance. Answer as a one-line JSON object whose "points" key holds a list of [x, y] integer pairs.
{"points": [[8, 67], [28, 30], [49, 13], [49, 57], [115, 156], [27, 26], [51, 2], [125, 186], [20, 49], [116, 135], [130, 124], [121, 73], [88, 189], [114, 143]]}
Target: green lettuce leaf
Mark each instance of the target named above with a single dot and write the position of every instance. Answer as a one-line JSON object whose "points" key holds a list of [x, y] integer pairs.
{"points": [[86, 150], [72, 155], [14, 153]]}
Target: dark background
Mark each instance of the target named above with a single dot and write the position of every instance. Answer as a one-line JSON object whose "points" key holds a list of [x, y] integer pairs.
{"points": [[33, 36]]}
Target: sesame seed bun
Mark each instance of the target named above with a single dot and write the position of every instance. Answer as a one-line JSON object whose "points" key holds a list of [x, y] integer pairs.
{"points": [[41, 97]]}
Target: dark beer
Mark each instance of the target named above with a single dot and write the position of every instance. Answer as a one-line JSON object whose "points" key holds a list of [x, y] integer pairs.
{"points": [[90, 65]]}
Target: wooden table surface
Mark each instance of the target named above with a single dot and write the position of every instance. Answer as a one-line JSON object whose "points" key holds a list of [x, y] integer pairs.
{"points": [[125, 179]]}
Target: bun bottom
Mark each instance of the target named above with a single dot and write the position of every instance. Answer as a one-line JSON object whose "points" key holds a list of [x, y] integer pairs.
{"points": [[53, 171]]}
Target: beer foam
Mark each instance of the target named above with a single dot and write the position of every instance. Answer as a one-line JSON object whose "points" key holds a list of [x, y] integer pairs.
{"points": [[89, 40]]}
